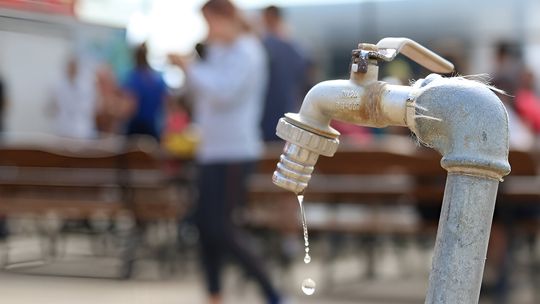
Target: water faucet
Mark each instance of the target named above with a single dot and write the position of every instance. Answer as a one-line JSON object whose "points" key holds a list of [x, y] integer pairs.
{"points": [[361, 100], [460, 118]]}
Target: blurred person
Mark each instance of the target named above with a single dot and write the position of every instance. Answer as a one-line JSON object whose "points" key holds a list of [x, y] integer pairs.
{"points": [[500, 256], [74, 103], [228, 89], [507, 76], [179, 138], [527, 102], [114, 106], [149, 91], [521, 136], [288, 72], [3, 102], [508, 68]]}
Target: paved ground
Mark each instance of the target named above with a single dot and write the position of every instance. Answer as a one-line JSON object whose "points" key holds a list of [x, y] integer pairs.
{"points": [[31, 289], [25, 289], [73, 279]]}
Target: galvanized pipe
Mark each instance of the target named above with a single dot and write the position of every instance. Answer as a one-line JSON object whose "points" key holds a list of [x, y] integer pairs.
{"points": [[462, 239]]}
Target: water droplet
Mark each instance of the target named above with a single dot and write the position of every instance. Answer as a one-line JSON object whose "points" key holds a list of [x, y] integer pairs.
{"points": [[307, 258], [308, 286]]}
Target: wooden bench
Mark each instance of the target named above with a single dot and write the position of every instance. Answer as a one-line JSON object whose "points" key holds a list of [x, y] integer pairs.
{"points": [[74, 185], [379, 174], [86, 182]]}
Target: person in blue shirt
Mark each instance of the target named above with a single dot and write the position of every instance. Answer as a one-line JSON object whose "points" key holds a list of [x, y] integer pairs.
{"points": [[288, 73], [149, 91]]}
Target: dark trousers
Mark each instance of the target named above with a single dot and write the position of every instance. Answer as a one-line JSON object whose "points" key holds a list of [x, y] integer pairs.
{"points": [[222, 187], [136, 127]]}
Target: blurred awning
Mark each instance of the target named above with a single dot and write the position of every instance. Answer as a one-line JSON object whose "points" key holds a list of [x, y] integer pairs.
{"points": [[61, 7]]}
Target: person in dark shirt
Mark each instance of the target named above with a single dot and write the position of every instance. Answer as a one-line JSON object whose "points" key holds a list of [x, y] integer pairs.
{"points": [[508, 70], [149, 91], [288, 73], [3, 226]]}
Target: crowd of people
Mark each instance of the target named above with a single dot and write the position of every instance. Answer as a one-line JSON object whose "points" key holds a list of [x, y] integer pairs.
{"points": [[239, 81], [90, 103], [238, 85], [86, 105]]}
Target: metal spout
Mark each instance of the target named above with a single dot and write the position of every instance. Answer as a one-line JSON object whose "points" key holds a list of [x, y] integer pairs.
{"points": [[308, 133], [300, 154], [294, 168]]}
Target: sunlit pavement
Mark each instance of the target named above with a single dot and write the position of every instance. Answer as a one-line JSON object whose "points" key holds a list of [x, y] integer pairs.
{"points": [[31, 289], [16, 288], [35, 284], [23, 289], [83, 279]]}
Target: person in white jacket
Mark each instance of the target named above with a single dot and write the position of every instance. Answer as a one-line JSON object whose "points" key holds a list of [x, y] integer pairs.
{"points": [[229, 86], [74, 103]]}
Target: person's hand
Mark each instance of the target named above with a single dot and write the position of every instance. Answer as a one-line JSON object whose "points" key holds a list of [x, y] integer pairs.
{"points": [[179, 60]]}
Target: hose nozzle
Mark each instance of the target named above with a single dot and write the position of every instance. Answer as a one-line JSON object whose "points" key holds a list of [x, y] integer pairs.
{"points": [[300, 155]]}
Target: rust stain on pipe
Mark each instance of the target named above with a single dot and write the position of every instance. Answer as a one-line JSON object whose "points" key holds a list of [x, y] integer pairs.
{"points": [[370, 109]]}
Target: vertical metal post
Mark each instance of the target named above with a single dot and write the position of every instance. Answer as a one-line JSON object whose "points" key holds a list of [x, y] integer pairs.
{"points": [[462, 239]]}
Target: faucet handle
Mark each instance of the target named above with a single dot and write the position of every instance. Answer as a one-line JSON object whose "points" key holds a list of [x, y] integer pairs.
{"points": [[388, 48]]}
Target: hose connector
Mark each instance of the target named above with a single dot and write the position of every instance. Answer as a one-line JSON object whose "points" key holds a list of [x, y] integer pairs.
{"points": [[300, 154]]}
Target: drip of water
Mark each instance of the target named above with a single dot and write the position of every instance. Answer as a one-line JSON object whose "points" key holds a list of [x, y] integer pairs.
{"points": [[308, 286], [307, 258]]}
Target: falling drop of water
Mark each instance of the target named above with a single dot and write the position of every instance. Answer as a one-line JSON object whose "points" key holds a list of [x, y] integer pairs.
{"points": [[307, 259], [308, 286]]}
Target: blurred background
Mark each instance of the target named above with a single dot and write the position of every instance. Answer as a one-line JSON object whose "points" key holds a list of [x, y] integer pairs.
{"points": [[108, 145]]}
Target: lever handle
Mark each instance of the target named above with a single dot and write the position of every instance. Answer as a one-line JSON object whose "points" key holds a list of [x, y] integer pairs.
{"points": [[390, 47]]}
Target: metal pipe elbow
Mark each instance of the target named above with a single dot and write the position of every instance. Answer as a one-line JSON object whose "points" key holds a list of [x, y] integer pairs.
{"points": [[464, 121]]}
